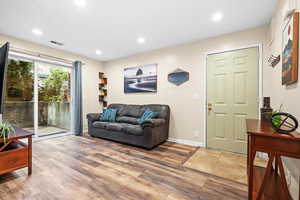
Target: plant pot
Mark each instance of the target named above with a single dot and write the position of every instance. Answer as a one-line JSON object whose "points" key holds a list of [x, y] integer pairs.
{"points": [[2, 140]]}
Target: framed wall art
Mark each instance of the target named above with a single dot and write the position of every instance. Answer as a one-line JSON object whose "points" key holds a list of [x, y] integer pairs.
{"points": [[290, 51], [140, 79]]}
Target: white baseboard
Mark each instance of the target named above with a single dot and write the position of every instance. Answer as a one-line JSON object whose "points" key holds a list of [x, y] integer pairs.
{"points": [[187, 142]]}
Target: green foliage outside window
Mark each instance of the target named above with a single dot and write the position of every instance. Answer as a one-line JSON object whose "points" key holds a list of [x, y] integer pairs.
{"points": [[20, 81], [55, 86]]}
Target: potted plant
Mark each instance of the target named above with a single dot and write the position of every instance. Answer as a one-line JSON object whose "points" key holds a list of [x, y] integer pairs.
{"points": [[276, 120], [5, 130]]}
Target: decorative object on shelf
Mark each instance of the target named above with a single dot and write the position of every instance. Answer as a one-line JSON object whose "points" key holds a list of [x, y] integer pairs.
{"points": [[289, 14], [274, 60], [140, 79], [284, 122], [267, 102], [102, 89], [266, 111], [290, 50], [178, 77]]}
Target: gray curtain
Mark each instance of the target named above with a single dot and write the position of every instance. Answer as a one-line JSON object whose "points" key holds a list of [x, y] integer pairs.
{"points": [[77, 99]]}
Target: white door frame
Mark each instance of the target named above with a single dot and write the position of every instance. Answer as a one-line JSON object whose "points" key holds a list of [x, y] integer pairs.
{"points": [[36, 100], [260, 80]]}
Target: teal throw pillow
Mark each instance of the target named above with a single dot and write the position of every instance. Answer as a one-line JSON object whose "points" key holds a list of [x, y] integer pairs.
{"points": [[109, 115], [148, 114]]}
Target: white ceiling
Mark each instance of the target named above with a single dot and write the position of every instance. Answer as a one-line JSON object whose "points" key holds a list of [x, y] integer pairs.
{"points": [[113, 26]]}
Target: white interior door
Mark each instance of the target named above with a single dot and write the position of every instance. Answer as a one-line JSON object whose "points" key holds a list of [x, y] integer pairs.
{"points": [[232, 96]]}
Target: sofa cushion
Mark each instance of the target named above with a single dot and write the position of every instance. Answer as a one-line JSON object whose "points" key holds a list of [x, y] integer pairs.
{"points": [[148, 114], [116, 106], [126, 128], [109, 115], [153, 123], [93, 117], [99, 124], [162, 110], [114, 127], [129, 120], [131, 111], [132, 129]]}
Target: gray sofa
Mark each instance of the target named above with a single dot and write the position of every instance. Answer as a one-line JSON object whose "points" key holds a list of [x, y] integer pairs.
{"points": [[126, 129]]}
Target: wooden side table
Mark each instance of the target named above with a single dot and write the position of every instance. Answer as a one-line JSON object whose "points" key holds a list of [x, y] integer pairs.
{"points": [[267, 183], [15, 154]]}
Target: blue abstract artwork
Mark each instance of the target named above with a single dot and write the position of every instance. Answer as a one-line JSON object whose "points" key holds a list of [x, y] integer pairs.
{"points": [[178, 77]]}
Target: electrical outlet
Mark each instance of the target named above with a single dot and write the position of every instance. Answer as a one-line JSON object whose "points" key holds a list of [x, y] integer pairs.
{"points": [[196, 133]]}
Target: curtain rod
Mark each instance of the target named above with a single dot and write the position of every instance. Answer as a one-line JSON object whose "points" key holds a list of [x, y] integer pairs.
{"points": [[40, 55]]}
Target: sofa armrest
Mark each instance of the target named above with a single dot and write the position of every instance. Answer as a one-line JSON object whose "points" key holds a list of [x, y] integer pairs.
{"points": [[153, 123], [93, 117]]}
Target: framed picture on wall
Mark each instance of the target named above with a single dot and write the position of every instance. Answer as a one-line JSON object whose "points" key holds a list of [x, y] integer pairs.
{"points": [[140, 79], [290, 51]]}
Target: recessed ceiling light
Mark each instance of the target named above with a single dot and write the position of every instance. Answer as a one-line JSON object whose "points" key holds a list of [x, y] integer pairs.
{"points": [[37, 31], [141, 40], [80, 3], [217, 17], [98, 52]]}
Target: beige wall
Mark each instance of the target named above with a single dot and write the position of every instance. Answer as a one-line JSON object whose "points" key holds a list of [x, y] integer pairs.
{"points": [[186, 101], [89, 72], [288, 96]]}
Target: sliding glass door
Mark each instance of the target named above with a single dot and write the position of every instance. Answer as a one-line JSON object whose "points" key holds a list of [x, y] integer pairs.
{"points": [[38, 97], [54, 99]]}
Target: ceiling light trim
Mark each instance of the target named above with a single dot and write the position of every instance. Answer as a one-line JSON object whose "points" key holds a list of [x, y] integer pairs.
{"points": [[98, 52], [218, 16], [141, 40], [37, 31], [80, 3]]}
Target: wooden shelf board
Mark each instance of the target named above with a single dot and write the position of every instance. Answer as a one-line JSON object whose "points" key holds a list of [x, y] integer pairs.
{"points": [[273, 189]]}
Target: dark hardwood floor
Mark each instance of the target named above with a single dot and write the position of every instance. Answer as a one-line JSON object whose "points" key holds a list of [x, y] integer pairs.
{"points": [[85, 168]]}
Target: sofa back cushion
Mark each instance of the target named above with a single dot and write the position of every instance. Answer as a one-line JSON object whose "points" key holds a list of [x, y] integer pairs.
{"points": [[128, 110], [132, 111], [162, 110], [137, 111], [116, 106]]}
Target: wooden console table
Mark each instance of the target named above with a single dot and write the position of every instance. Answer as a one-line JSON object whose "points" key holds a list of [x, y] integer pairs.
{"points": [[16, 154], [267, 183]]}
